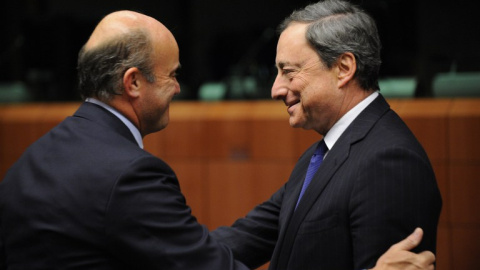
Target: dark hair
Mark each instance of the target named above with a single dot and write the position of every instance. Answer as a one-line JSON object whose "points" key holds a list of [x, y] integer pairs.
{"points": [[336, 27], [101, 69]]}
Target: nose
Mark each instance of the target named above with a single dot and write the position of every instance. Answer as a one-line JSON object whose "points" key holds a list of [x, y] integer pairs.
{"points": [[279, 89]]}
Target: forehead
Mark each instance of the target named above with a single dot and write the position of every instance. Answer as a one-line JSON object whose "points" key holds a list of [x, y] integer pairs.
{"points": [[293, 46], [166, 51]]}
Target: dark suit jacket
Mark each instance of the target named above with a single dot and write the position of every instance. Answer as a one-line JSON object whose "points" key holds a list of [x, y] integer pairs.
{"points": [[374, 187], [85, 196]]}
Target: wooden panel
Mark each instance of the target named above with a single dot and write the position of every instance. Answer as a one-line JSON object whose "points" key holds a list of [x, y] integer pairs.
{"points": [[303, 140], [444, 248], [396, 104], [271, 109], [428, 119], [185, 134], [185, 139], [4, 165], [271, 134], [466, 247], [21, 126], [230, 156], [185, 110], [194, 184], [238, 186], [230, 192], [231, 110], [155, 143], [464, 130], [229, 139], [464, 197], [190, 123], [54, 113], [272, 139]]}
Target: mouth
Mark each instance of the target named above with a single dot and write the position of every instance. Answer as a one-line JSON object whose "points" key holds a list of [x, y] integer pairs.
{"points": [[291, 106]]}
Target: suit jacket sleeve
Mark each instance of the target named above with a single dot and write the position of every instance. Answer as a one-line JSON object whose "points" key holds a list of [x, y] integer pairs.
{"points": [[395, 192], [253, 238], [150, 224]]}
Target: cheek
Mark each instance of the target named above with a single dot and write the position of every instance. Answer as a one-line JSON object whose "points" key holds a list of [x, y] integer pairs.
{"points": [[310, 97], [317, 100], [159, 94], [299, 83], [155, 102], [168, 89]]}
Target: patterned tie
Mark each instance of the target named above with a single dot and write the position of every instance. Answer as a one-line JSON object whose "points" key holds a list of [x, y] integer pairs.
{"points": [[315, 161]]}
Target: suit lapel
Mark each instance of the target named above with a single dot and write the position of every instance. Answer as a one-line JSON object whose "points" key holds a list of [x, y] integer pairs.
{"points": [[289, 201], [333, 161]]}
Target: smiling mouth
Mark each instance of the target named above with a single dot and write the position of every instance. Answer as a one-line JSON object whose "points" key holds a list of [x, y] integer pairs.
{"points": [[291, 107]]}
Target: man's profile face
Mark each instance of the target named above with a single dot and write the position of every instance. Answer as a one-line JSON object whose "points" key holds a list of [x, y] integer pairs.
{"points": [[157, 96], [307, 87]]}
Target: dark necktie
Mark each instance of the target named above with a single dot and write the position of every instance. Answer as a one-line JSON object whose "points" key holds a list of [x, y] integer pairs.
{"points": [[315, 161]]}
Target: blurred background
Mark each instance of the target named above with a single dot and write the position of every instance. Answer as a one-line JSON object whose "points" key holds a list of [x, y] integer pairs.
{"points": [[227, 48]]}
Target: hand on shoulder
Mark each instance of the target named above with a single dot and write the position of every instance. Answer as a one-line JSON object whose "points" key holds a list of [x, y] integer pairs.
{"points": [[399, 256]]}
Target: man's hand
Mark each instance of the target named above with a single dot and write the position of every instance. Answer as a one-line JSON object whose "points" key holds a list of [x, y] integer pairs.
{"points": [[398, 257]]}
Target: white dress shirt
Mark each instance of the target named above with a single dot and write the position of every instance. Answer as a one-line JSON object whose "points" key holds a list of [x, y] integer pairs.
{"points": [[341, 125]]}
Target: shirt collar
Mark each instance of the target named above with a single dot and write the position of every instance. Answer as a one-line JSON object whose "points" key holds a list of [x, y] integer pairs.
{"points": [[341, 125], [130, 125]]}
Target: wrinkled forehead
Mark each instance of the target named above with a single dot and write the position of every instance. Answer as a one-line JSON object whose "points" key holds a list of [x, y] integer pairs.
{"points": [[292, 42], [293, 36]]}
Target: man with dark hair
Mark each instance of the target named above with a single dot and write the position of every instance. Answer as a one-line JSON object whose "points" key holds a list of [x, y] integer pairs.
{"points": [[86, 195], [367, 183]]}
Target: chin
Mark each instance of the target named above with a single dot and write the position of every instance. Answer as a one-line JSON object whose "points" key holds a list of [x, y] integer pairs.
{"points": [[162, 126], [159, 126], [295, 124]]}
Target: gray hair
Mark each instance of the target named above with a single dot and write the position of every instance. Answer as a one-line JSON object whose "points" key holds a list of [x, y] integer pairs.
{"points": [[337, 27], [101, 69]]}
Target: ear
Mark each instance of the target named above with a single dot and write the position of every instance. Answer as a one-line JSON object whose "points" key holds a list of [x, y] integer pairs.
{"points": [[347, 66], [132, 81]]}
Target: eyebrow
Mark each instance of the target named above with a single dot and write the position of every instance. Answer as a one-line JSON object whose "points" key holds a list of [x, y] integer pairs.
{"points": [[176, 69], [282, 64], [279, 65]]}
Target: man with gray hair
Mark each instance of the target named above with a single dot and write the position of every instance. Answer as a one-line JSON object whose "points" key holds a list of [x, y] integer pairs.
{"points": [[361, 188]]}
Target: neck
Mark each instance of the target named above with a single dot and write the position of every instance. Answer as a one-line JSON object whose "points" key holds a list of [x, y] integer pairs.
{"points": [[126, 109]]}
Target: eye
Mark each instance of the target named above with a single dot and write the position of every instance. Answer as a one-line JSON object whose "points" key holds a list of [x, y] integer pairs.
{"points": [[289, 73], [286, 70], [174, 74]]}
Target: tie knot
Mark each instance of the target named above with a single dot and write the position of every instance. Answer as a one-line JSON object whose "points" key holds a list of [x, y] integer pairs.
{"points": [[315, 161], [321, 148]]}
